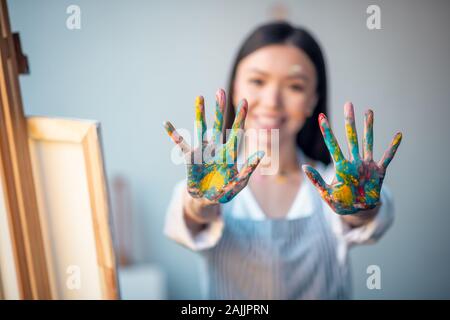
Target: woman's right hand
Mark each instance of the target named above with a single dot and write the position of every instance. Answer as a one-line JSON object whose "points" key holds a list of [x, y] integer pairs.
{"points": [[215, 179]]}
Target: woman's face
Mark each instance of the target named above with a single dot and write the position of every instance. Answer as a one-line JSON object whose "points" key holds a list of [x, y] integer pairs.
{"points": [[279, 83]]}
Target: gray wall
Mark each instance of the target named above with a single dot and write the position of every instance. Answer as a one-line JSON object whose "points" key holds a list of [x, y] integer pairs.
{"points": [[136, 63]]}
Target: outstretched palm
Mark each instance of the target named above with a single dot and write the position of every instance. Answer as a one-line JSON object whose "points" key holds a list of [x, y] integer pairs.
{"points": [[211, 168], [358, 181]]}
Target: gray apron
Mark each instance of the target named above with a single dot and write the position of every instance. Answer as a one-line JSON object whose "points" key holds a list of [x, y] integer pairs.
{"points": [[276, 259]]}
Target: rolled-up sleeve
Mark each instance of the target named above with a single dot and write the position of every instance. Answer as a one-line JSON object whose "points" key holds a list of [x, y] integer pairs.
{"points": [[176, 229]]}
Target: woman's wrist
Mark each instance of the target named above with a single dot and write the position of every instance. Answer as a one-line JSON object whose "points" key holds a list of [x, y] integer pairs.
{"points": [[361, 218], [199, 211]]}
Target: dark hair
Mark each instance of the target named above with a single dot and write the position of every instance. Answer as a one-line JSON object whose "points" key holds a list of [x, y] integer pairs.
{"points": [[309, 138]]}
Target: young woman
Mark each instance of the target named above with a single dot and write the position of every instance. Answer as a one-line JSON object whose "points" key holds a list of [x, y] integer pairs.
{"points": [[282, 237]]}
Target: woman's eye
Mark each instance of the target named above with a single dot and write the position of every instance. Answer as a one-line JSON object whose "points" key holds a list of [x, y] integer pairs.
{"points": [[257, 82], [297, 87]]}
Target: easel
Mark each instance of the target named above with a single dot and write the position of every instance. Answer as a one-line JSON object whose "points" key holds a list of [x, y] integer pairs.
{"points": [[31, 237], [15, 168]]}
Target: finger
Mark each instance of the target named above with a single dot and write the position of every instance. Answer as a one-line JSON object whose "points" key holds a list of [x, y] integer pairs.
{"points": [[368, 136], [390, 152], [241, 179], [251, 164], [316, 179], [176, 137], [231, 150], [192, 184], [330, 139], [241, 114], [220, 154], [239, 119], [350, 130], [218, 122], [200, 122]]}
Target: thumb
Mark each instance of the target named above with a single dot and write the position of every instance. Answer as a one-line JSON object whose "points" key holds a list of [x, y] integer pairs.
{"points": [[316, 179]]}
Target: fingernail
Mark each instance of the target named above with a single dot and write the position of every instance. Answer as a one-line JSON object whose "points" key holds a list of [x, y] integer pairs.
{"points": [[167, 126], [348, 108], [322, 117], [199, 101], [220, 96], [242, 104]]}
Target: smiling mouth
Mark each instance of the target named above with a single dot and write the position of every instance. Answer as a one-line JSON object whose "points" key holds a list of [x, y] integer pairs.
{"points": [[265, 122]]}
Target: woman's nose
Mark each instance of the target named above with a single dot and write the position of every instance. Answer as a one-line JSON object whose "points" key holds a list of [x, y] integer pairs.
{"points": [[271, 97]]}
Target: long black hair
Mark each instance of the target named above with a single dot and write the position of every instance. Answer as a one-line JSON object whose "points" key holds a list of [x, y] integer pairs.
{"points": [[309, 138]]}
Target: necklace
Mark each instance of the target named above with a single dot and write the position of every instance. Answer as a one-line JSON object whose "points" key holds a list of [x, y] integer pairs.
{"points": [[282, 176]]}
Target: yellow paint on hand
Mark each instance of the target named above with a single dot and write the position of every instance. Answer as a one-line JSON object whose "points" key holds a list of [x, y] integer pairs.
{"points": [[351, 134], [214, 179], [348, 178], [397, 139], [344, 195], [373, 194], [198, 101], [199, 108]]}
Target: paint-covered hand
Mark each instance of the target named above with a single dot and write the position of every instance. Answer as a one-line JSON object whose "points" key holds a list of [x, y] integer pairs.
{"points": [[358, 181], [212, 168]]}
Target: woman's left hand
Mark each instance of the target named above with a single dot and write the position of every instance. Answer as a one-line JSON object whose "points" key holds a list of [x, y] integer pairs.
{"points": [[358, 181]]}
